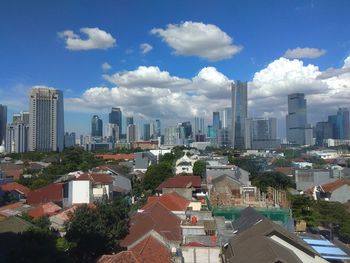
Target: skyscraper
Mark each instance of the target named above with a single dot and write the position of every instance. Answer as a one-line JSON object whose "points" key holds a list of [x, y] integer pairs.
{"points": [[131, 133], [198, 126], [340, 124], [96, 126], [324, 130], [157, 129], [115, 117], [264, 133], [3, 123], [224, 134], [129, 120], [46, 120], [146, 132], [17, 134], [239, 100], [298, 131]]}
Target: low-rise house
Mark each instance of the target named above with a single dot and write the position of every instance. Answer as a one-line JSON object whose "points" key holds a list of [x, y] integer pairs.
{"points": [[184, 165], [86, 188], [117, 157], [216, 169], [266, 242], [155, 218], [337, 191], [148, 249], [143, 160], [47, 209], [17, 190], [186, 186], [309, 178], [13, 209], [50, 193]]}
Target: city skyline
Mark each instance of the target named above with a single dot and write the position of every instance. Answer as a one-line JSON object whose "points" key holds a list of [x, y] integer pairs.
{"points": [[148, 76]]}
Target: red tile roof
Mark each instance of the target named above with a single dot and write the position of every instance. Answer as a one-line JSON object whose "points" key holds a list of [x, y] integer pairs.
{"points": [[15, 186], [157, 218], [172, 201], [284, 170], [330, 187], [96, 178], [181, 181], [50, 193], [150, 250], [122, 257], [116, 157], [48, 209]]}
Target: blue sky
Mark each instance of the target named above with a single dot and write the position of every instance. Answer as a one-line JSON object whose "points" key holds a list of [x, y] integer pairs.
{"points": [[185, 72]]}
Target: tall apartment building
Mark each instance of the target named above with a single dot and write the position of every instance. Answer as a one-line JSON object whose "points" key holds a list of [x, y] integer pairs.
{"points": [[3, 123], [298, 131], [115, 117], [239, 123], [46, 120], [340, 124], [17, 133], [131, 133], [264, 133], [96, 126]]}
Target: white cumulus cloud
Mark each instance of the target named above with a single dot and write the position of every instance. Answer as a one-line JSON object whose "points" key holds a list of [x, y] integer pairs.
{"points": [[95, 38], [106, 66], [145, 48], [306, 52], [198, 39]]}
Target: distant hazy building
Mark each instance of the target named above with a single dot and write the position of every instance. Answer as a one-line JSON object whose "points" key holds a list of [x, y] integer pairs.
{"points": [[146, 132], [69, 139], [157, 129], [113, 132], [224, 133], [131, 134], [46, 120], [171, 136], [239, 125], [17, 133], [198, 126], [323, 130], [96, 126], [129, 120], [115, 117], [211, 132], [340, 124], [298, 131], [264, 133], [3, 123]]}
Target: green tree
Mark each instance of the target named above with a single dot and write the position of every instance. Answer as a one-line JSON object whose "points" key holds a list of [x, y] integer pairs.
{"points": [[282, 162], [156, 174], [272, 179], [96, 231], [199, 168]]}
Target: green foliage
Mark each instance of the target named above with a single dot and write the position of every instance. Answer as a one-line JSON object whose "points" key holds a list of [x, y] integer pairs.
{"points": [[96, 231], [199, 168], [7, 198], [292, 153], [169, 158], [322, 213], [36, 245], [253, 165], [273, 179], [156, 174], [282, 162], [36, 182]]}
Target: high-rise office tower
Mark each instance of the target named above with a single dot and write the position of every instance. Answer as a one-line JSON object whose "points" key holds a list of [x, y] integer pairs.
{"points": [[340, 123], [264, 133], [131, 133], [96, 126], [146, 132], [129, 120], [113, 132], [115, 117], [3, 123], [224, 134], [298, 131], [171, 136], [46, 120], [187, 129], [157, 129], [69, 139], [324, 130], [216, 123], [198, 126], [17, 134], [239, 102]]}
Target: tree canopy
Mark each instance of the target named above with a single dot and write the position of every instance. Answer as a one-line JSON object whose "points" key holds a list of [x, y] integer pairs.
{"points": [[199, 168], [273, 179], [156, 174]]}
